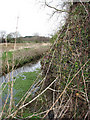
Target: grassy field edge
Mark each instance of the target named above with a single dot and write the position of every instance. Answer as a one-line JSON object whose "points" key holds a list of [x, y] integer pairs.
{"points": [[21, 57]]}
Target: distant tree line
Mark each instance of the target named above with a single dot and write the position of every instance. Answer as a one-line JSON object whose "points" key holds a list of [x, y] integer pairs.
{"points": [[10, 38], [36, 39]]}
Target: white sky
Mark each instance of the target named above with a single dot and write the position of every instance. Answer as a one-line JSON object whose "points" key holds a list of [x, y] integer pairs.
{"points": [[32, 19]]}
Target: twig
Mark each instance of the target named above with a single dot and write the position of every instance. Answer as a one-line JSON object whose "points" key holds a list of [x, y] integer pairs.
{"points": [[58, 10], [65, 88], [34, 98], [84, 7]]}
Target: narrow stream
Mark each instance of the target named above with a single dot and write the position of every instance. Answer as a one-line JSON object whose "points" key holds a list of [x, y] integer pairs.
{"points": [[15, 73], [25, 68]]}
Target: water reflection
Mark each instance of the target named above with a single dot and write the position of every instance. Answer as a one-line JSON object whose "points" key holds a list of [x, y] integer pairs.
{"points": [[26, 68]]}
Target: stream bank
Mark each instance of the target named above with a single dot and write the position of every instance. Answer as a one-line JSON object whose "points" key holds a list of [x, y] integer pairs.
{"points": [[22, 57]]}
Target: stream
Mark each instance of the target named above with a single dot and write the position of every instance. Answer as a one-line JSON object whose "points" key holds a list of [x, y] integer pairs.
{"points": [[25, 68], [19, 72]]}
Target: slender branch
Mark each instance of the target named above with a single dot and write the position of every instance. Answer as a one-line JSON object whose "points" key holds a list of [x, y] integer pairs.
{"points": [[65, 89], [84, 7], [58, 10], [34, 98]]}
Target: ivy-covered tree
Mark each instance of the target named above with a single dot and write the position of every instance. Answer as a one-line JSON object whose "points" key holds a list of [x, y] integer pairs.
{"points": [[67, 64]]}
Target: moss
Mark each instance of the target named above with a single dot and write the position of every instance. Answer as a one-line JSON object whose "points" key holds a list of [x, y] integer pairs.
{"points": [[23, 83]]}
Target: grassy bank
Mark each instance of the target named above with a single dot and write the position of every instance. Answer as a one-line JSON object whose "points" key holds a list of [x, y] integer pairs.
{"points": [[21, 55], [23, 83]]}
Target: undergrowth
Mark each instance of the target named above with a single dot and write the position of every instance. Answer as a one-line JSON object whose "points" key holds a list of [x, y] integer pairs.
{"points": [[63, 91]]}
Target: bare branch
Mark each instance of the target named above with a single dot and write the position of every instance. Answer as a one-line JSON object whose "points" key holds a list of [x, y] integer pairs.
{"points": [[58, 10]]}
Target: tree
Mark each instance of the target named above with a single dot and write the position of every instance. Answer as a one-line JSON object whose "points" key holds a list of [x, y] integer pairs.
{"points": [[11, 36], [58, 12], [2, 36], [68, 63], [57, 6]]}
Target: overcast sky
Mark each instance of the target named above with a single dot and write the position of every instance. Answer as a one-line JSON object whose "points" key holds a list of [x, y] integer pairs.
{"points": [[32, 17]]}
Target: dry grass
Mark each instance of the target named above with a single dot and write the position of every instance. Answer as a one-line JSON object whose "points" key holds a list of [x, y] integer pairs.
{"points": [[23, 53], [10, 46]]}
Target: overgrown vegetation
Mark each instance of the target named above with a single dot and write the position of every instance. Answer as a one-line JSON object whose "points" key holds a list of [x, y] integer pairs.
{"points": [[54, 37], [68, 62], [63, 91]]}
